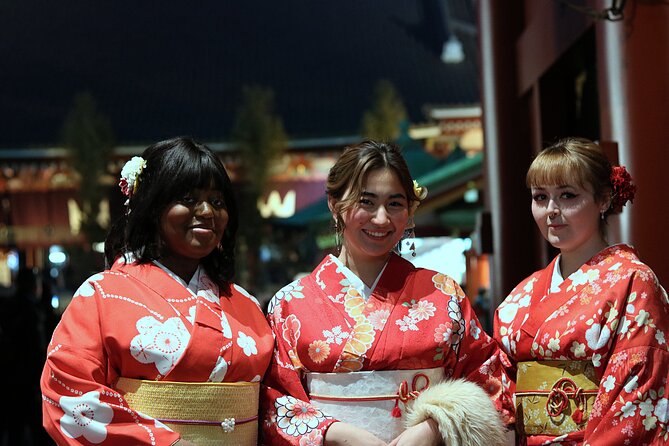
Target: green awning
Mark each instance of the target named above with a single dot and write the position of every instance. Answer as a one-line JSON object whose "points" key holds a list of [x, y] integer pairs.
{"points": [[452, 174], [317, 212]]}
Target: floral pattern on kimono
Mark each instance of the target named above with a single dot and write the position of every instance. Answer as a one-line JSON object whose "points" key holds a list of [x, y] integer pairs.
{"points": [[414, 319], [613, 312], [138, 321]]}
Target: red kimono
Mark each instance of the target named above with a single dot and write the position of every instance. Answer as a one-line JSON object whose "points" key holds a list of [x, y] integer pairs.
{"points": [[611, 313], [140, 321], [413, 319]]}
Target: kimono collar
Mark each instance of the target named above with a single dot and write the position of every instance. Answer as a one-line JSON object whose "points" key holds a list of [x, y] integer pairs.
{"points": [[355, 281], [193, 285], [556, 277], [153, 276]]}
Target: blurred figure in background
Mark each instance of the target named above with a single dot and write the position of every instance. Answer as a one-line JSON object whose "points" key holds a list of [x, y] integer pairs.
{"points": [[23, 345]]}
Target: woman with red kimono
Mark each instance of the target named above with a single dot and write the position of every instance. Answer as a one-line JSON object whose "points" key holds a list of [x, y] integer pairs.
{"points": [[586, 335], [367, 342], [162, 348]]}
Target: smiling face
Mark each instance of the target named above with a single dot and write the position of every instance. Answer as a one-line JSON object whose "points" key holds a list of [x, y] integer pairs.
{"points": [[376, 223], [568, 216], [191, 228]]}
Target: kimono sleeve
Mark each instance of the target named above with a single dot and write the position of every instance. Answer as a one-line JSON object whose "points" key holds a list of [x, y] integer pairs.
{"points": [[480, 360], [632, 406], [78, 405], [288, 416]]}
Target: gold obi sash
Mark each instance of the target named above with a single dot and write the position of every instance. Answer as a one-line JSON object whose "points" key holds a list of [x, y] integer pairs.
{"points": [[203, 413], [555, 397]]}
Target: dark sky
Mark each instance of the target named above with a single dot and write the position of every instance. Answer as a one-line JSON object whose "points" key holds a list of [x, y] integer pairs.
{"points": [[158, 69]]}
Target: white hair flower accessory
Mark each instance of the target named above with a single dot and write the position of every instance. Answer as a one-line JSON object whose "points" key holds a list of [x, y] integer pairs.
{"points": [[130, 175]]}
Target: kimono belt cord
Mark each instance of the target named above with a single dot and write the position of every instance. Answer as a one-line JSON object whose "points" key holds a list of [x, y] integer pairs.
{"points": [[403, 394], [227, 421]]}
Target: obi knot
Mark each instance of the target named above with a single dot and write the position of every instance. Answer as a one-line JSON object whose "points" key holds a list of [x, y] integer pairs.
{"points": [[563, 390]]}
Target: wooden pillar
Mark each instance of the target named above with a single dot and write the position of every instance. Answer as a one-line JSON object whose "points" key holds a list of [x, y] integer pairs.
{"points": [[508, 146], [633, 56]]}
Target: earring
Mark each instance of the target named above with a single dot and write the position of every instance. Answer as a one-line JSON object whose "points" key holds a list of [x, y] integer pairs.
{"points": [[408, 233], [337, 238], [601, 215], [412, 248], [410, 243]]}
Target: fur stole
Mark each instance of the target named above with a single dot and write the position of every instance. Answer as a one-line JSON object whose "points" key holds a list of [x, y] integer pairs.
{"points": [[464, 412]]}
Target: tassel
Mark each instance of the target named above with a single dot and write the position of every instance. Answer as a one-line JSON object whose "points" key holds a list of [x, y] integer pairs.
{"points": [[396, 412], [577, 416]]}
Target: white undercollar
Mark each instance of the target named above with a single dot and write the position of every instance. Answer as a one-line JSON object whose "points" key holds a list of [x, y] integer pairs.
{"points": [[193, 284], [356, 282], [556, 277]]}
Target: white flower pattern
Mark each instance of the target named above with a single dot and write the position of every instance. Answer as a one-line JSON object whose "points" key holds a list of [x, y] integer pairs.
{"points": [[609, 383], [247, 343], [407, 323], [220, 370], [225, 326], [87, 289], [422, 310], [379, 318], [296, 417], [335, 336], [160, 343], [85, 416], [597, 337]]}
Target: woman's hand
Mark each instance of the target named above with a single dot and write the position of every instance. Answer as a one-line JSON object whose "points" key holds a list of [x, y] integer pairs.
{"points": [[344, 434], [423, 434]]}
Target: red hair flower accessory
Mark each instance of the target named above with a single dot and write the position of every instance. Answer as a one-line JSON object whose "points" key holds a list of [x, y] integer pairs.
{"points": [[623, 188]]}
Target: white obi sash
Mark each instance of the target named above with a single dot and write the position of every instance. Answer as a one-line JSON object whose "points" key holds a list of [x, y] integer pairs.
{"points": [[373, 400]]}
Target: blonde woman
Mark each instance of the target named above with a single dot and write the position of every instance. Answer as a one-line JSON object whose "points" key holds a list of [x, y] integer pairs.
{"points": [[586, 335]]}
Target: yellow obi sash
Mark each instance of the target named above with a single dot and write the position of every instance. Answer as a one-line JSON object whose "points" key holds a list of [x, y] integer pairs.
{"points": [[554, 397], [203, 413]]}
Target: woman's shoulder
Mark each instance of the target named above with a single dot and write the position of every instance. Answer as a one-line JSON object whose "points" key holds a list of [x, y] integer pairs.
{"points": [[422, 273], [399, 265], [622, 256], [240, 291], [122, 276], [422, 277], [526, 286], [100, 284]]}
